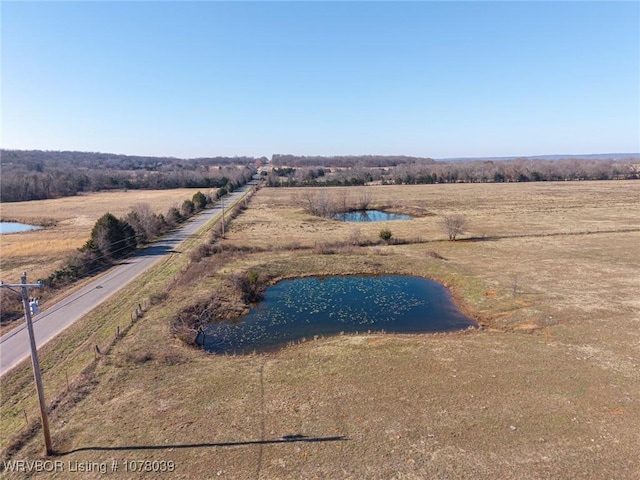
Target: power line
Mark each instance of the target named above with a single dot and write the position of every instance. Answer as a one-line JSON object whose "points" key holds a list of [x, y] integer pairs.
{"points": [[24, 286]]}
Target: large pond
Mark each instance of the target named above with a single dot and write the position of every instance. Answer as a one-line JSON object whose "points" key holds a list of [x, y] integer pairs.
{"points": [[15, 227], [303, 308], [370, 216]]}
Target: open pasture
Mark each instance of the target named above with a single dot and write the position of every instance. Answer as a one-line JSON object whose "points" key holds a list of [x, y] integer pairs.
{"points": [[68, 222], [549, 388], [498, 209]]}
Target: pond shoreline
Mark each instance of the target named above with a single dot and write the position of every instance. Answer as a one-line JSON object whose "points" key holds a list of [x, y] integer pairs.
{"points": [[370, 215], [315, 306], [8, 227]]}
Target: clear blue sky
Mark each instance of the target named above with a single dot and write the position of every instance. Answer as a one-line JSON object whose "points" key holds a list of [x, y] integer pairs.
{"points": [[438, 79]]}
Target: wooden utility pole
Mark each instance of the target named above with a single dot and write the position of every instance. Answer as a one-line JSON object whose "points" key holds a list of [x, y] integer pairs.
{"points": [[222, 217], [24, 286]]}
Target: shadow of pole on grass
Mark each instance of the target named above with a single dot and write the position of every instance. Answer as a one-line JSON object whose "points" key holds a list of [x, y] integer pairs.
{"points": [[284, 439]]}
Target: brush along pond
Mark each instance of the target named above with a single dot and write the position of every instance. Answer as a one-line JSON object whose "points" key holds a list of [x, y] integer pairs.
{"points": [[303, 308]]}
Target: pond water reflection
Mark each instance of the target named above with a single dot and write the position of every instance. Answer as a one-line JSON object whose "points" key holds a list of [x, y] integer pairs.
{"points": [[324, 306], [370, 216]]}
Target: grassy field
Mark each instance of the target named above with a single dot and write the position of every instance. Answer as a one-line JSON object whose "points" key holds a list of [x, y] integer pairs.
{"points": [[548, 388], [68, 224]]}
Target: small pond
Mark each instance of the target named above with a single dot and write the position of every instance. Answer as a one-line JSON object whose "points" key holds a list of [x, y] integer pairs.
{"points": [[302, 308], [15, 227], [370, 216]]}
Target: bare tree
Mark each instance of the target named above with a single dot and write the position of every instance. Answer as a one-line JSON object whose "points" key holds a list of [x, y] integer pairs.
{"points": [[453, 225], [145, 223], [315, 203], [342, 201], [308, 199], [325, 205], [364, 199], [355, 237]]}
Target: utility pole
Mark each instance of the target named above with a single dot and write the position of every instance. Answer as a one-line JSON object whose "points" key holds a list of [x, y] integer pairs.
{"points": [[222, 217], [24, 286]]}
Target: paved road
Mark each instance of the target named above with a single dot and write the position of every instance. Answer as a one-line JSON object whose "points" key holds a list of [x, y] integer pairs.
{"points": [[14, 346]]}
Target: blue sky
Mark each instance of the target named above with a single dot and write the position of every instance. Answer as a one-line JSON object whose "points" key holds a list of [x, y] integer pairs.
{"points": [[437, 79]]}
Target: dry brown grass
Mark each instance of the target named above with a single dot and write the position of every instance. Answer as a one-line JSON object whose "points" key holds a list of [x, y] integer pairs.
{"points": [[69, 221], [491, 209], [549, 389]]}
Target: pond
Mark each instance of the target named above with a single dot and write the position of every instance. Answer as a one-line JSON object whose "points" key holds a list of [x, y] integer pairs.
{"points": [[370, 216], [15, 227], [302, 308]]}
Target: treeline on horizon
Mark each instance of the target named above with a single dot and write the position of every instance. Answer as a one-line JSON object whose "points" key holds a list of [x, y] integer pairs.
{"points": [[346, 161], [38, 175], [306, 172]]}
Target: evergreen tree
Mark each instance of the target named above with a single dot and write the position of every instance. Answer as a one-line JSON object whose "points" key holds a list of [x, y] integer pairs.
{"points": [[112, 237], [199, 200]]}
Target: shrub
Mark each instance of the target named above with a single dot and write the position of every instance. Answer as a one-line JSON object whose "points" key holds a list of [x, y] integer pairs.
{"points": [[11, 305], [199, 200], [173, 217], [216, 232], [250, 285], [385, 235], [139, 356], [158, 297], [187, 323], [187, 208], [201, 251]]}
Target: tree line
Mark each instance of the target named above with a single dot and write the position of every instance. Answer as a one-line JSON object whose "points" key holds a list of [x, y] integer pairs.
{"points": [[112, 239], [471, 171], [346, 161], [38, 175]]}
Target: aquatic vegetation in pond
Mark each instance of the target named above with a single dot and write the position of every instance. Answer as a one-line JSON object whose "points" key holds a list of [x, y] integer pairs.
{"points": [[323, 306], [370, 216]]}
